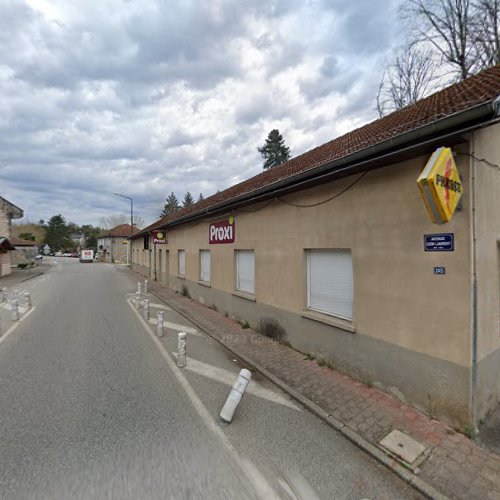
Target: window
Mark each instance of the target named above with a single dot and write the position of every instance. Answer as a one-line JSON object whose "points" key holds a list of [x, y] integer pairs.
{"points": [[205, 265], [245, 271], [146, 242], [181, 262], [329, 282]]}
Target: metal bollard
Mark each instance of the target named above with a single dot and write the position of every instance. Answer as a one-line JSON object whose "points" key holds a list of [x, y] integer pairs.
{"points": [[5, 294], [235, 395], [137, 299], [159, 324], [139, 287], [27, 300], [145, 312], [14, 307], [181, 349], [145, 286]]}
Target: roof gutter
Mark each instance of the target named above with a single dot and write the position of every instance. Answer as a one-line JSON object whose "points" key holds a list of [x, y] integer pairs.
{"points": [[456, 124]]}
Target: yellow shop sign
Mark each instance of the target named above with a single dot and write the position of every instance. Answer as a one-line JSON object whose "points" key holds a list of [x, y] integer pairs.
{"points": [[440, 186]]}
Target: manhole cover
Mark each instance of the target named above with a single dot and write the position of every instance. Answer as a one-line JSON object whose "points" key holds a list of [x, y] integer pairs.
{"points": [[403, 446]]}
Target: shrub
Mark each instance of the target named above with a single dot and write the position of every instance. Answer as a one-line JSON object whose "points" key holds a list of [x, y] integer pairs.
{"points": [[22, 266]]}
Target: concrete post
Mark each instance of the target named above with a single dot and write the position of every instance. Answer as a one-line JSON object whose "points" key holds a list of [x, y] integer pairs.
{"points": [[139, 287], [235, 395], [27, 300], [14, 307], [159, 324], [181, 349], [5, 294], [145, 286], [137, 300], [145, 311]]}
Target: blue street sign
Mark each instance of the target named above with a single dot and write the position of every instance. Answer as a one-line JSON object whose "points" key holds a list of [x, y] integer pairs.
{"points": [[441, 242], [440, 270]]}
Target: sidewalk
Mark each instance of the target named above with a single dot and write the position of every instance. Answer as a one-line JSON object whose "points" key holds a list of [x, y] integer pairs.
{"points": [[19, 275], [453, 465]]}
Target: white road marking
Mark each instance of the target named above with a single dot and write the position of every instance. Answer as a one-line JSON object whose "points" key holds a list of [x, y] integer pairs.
{"points": [[15, 325], [228, 378], [256, 479], [178, 327], [160, 306], [7, 306]]}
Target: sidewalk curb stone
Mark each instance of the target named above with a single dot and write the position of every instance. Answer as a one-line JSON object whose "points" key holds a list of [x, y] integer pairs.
{"points": [[403, 473]]}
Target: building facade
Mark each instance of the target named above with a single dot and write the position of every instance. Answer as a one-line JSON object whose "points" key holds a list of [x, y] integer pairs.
{"points": [[333, 253], [113, 245], [8, 211]]}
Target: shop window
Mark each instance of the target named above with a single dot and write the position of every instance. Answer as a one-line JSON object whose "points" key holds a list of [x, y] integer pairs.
{"points": [[330, 282], [205, 265], [181, 261], [245, 271]]}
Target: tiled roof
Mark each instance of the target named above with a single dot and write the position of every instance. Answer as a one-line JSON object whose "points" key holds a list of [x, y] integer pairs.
{"points": [[19, 242], [121, 231], [479, 89]]}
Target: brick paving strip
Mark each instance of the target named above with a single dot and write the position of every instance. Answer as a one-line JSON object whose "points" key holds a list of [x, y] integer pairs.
{"points": [[455, 466]]}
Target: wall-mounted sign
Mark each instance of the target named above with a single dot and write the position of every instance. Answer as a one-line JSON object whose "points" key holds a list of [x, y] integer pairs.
{"points": [[442, 242], [159, 237], [440, 270], [222, 232], [440, 186]]}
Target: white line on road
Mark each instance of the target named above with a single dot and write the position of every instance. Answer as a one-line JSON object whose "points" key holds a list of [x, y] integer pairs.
{"points": [[263, 488], [15, 325], [228, 378], [178, 327]]}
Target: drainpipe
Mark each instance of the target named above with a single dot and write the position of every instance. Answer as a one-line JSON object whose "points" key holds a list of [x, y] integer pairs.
{"points": [[474, 368]]}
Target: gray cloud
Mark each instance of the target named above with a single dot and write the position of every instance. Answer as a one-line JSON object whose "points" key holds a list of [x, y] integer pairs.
{"points": [[150, 97]]}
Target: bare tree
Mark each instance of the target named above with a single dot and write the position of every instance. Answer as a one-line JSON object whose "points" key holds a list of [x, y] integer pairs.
{"points": [[111, 221], [448, 27], [410, 78], [487, 32]]}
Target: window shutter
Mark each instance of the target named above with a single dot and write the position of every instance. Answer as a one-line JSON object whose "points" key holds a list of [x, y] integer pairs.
{"points": [[245, 271], [330, 283], [205, 265], [182, 262]]}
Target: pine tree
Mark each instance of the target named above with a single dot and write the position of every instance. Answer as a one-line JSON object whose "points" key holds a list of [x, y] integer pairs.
{"points": [[188, 200], [274, 151], [171, 205], [200, 198]]}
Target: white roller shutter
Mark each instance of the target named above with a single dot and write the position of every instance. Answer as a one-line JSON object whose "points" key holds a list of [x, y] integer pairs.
{"points": [[329, 282], [245, 271], [182, 262], [205, 265]]}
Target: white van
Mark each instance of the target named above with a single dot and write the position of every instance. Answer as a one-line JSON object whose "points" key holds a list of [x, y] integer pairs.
{"points": [[87, 256]]}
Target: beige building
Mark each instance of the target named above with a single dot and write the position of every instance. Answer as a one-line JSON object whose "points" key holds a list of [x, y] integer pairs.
{"points": [[8, 211], [113, 246], [333, 252]]}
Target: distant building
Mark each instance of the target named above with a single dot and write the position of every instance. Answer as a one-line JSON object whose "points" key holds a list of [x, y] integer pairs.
{"points": [[78, 239], [8, 211], [112, 245], [25, 251]]}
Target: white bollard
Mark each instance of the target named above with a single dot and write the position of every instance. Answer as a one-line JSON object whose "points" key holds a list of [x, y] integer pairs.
{"points": [[14, 307], [139, 287], [145, 311], [159, 324], [27, 300], [235, 395], [181, 349], [145, 286], [5, 294], [16, 293], [137, 300]]}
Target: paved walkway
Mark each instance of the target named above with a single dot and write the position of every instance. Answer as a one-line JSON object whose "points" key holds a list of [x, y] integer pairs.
{"points": [[455, 466]]}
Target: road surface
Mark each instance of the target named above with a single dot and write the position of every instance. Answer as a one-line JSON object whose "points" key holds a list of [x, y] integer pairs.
{"points": [[92, 406]]}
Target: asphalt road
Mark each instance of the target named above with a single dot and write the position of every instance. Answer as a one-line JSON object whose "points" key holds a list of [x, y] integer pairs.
{"points": [[91, 406]]}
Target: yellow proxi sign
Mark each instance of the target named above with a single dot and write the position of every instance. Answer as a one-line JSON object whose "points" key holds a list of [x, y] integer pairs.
{"points": [[440, 186]]}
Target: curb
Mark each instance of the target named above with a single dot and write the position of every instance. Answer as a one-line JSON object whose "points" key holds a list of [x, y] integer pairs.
{"points": [[403, 473]]}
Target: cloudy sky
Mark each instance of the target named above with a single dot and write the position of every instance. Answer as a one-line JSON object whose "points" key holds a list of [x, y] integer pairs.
{"points": [[153, 96]]}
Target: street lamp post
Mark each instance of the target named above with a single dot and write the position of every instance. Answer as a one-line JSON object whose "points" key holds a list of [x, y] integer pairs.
{"points": [[129, 252]]}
